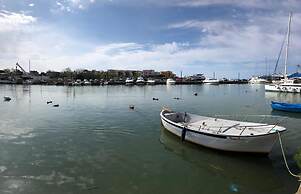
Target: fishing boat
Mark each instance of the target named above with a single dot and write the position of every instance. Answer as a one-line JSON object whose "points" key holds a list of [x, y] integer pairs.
{"points": [[286, 84], [221, 134], [289, 107], [170, 81]]}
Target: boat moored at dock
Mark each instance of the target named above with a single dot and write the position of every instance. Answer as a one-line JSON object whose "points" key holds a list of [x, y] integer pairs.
{"points": [[151, 82], [221, 134], [170, 81], [211, 81], [129, 81], [289, 83], [257, 80], [286, 85], [140, 81]]}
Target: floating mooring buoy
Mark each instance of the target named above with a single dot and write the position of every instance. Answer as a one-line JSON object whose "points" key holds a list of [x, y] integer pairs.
{"points": [[6, 98]]}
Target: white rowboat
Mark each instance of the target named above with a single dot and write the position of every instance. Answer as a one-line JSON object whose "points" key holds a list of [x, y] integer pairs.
{"points": [[221, 134]]}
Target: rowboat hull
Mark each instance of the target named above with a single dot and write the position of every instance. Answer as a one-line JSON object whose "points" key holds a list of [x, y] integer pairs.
{"points": [[286, 107], [256, 144]]}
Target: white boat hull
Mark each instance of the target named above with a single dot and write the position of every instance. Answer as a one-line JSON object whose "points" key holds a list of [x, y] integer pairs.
{"points": [[170, 82], [282, 88], [211, 82], [257, 144]]}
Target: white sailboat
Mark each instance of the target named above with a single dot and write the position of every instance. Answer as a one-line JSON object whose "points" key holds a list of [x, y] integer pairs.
{"points": [[285, 85], [212, 81]]}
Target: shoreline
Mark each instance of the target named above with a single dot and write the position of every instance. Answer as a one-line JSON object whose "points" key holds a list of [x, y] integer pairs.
{"points": [[123, 83]]}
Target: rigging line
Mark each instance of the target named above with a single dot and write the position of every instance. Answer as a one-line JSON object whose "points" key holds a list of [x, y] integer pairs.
{"points": [[285, 161], [278, 58]]}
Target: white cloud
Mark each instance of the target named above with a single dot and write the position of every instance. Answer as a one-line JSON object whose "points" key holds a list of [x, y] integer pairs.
{"points": [[72, 5], [292, 5], [223, 46], [11, 20]]}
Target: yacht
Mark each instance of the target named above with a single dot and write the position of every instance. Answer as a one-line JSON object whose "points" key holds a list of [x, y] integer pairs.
{"points": [[140, 81], [78, 82], [257, 80], [212, 81], [285, 85], [86, 82], [129, 81], [151, 82], [170, 81]]}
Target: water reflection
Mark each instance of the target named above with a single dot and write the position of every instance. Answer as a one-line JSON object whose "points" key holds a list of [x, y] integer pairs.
{"points": [[241, 171], [283, 97]]}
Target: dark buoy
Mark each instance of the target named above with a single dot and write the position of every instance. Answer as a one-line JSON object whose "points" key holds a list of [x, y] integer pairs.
{"points": [[56, 105], [49, 102], [132, 107], [195, 94], [7, 99], [156, 99], [176, 98]]}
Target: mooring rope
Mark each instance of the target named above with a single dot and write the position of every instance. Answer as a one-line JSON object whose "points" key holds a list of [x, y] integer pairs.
{"points": [[284, 158]]}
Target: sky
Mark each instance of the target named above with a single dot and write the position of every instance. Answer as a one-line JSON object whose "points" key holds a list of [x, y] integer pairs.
{"points": [[193, 36]]}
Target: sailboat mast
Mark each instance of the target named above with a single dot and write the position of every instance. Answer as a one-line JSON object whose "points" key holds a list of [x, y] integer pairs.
{"points": [[287, 44]]}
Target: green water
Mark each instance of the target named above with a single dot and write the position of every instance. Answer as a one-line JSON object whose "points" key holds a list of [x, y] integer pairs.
{"points": [[93, 143]]}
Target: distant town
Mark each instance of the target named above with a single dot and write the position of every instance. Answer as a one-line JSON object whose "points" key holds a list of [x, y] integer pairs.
{"points": [[93, 77]]}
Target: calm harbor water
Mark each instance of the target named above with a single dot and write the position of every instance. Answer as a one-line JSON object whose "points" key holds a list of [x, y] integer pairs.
{"points": [[93, 143]]}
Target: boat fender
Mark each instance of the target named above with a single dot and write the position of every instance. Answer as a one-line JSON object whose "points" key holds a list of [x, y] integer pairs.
{"points": [[183, 134]]}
